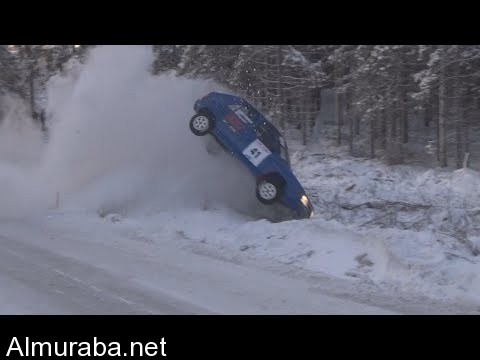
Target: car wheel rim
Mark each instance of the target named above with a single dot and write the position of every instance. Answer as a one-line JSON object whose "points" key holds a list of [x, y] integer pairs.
{"points": [[200, 123], [267, 191]]}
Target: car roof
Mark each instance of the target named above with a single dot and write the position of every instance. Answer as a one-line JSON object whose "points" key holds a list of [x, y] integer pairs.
{"points": [[237, 100], [229, 97]]}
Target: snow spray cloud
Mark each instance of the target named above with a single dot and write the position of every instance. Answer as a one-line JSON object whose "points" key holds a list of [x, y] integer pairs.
{"points": [[20, 148], [20, 141], [120, 141]]}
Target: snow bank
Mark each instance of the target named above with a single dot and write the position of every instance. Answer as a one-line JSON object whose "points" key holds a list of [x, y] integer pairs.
{"points": [[371, 262], [371, 194], [421, 222], [401, 228]]}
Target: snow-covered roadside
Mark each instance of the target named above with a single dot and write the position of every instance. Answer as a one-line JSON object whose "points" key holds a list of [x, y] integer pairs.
{"points": [[73, 262], [403, 260], [343, 239], [420, 223], [366, 267]]}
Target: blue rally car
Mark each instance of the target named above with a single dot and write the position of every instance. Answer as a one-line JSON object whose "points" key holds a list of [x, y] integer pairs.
{"points": [[247, 135]]}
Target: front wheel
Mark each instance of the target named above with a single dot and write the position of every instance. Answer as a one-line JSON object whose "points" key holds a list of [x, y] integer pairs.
{"points": [[201, 124], [269, 190]]}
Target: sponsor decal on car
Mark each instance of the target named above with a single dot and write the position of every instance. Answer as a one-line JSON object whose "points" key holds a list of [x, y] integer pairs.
{"points": [[234, 122], [241, 111], [243, 116]]}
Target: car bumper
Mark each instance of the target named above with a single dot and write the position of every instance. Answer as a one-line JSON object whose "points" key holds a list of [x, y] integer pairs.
{"points": [[305, 212]]}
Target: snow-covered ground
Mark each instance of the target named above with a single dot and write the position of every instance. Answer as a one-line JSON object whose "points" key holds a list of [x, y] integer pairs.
{"points": [[124, 191], [78, 263], [420, 223], [427, 260], [215, 261]]}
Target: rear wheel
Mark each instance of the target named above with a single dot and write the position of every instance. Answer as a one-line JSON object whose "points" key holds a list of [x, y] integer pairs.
{"points": [[201, 124]]}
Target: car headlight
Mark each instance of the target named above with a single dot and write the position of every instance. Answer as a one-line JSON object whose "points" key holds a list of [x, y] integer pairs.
{"points": [[304, 200]]}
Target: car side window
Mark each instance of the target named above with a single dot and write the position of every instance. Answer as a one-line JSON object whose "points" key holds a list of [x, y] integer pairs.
{"points": [[266, 137], [274, 142], [284, 154]]}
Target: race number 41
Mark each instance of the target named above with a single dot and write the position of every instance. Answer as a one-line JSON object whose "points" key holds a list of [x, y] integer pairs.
{"points": [[256, 152]]}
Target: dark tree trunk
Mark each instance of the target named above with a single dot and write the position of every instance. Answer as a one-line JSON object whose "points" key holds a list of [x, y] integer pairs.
{"points": [[442, 115], [338, 104], [281, 98], [372, 133]]}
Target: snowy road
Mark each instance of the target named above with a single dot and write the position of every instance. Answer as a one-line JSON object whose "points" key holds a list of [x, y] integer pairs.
{"points": [[35, 280], [68, 275]]}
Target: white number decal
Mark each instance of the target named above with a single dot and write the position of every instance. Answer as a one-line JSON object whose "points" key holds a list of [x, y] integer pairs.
{"points": [[256, 152]]}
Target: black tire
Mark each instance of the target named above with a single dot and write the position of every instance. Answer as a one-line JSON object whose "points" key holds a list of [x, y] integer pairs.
{"points": [[202, 123], [269, 189]]}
